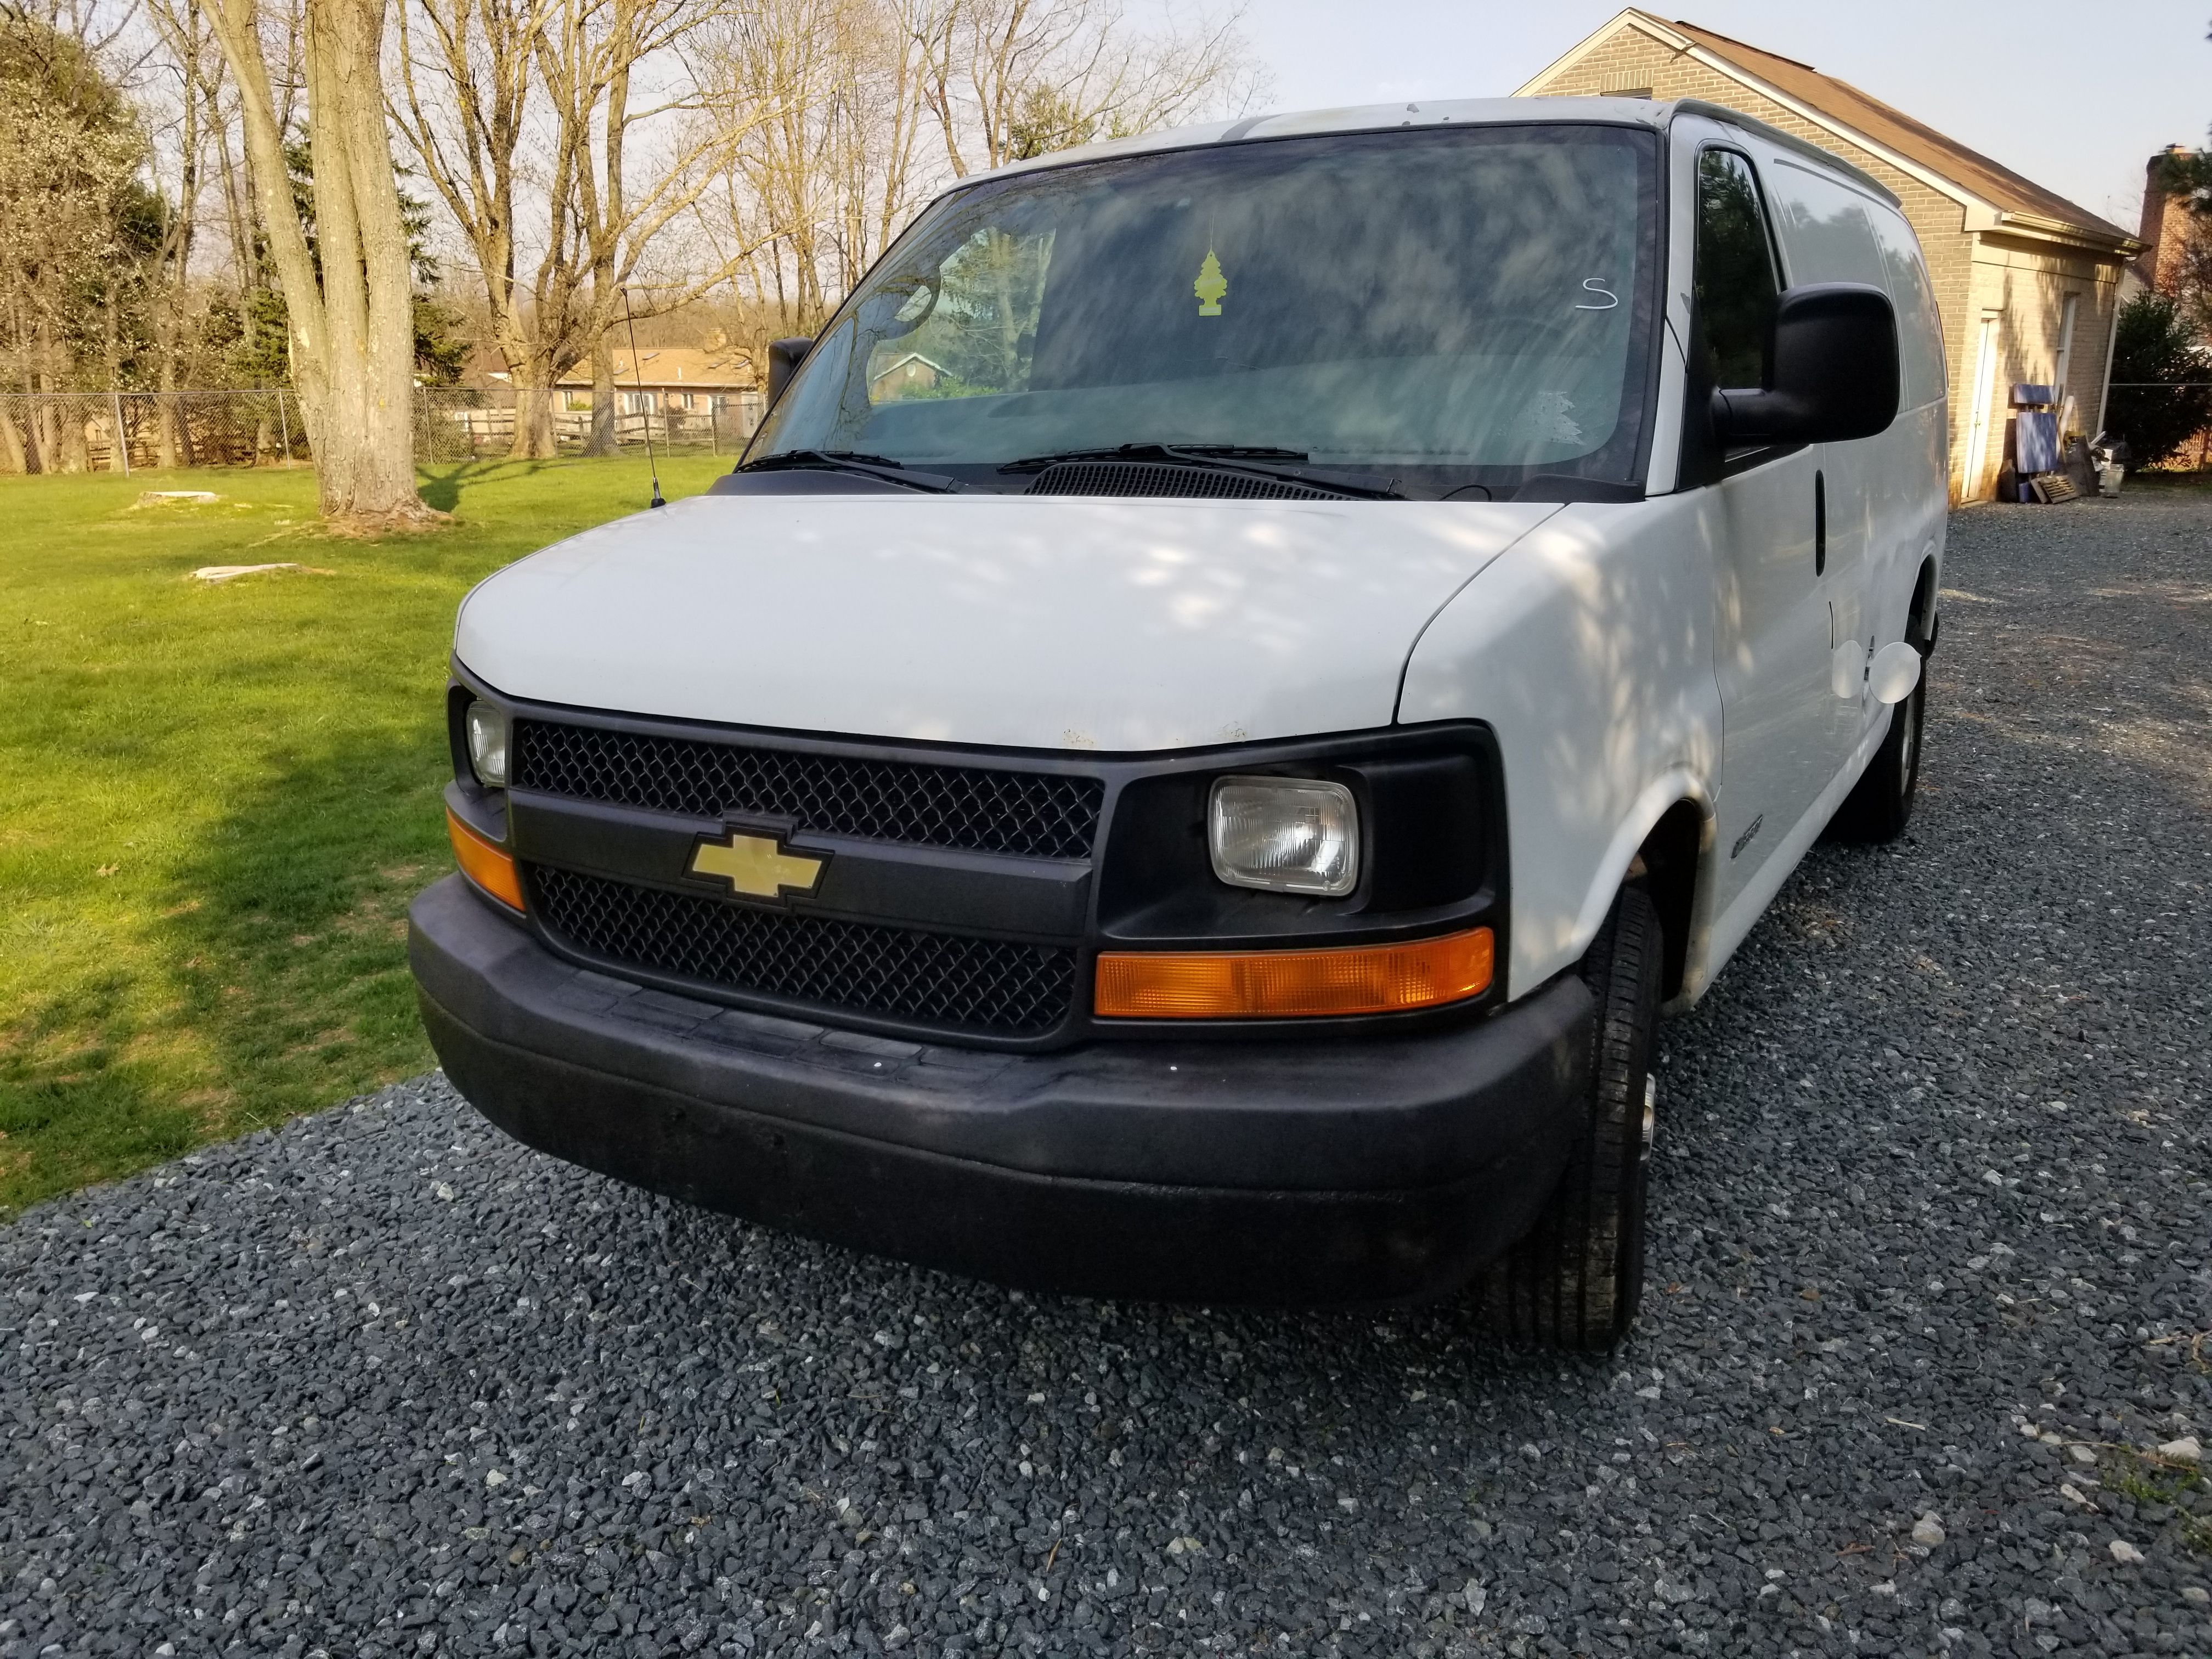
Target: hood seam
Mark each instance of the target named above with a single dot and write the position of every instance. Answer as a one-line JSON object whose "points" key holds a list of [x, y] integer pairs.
{"points": [[1405, 664]]}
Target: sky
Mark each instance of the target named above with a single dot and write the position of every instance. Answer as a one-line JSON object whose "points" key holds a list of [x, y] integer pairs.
{"points": [[2076, 97]]}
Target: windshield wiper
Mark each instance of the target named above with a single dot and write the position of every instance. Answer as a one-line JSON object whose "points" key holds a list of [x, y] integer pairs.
{"points": [[1256, 459], [851, 460]]}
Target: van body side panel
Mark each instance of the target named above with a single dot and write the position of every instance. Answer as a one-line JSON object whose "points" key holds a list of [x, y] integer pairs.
{"points": [[1885, 495], [1587, 646], [1915, 505], [1772, 637]]}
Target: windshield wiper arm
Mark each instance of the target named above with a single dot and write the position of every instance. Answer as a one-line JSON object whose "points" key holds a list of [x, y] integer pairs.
{"points": [[851, 460], [1149, 451], [1260, 460]]}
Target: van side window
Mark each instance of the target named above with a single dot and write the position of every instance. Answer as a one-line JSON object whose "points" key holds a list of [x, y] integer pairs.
{"points": [[1735, 286]]}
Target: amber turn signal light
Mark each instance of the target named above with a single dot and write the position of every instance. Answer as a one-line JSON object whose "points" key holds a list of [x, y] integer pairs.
{"points": [[485, 863], [1359, 979]]}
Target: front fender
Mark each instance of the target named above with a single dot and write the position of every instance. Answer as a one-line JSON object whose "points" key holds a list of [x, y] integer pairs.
{"points": [[1587, 646], [1670, 788]]}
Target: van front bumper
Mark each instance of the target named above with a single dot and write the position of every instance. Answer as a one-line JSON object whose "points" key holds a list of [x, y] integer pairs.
{"points": [[1303, 1170]]}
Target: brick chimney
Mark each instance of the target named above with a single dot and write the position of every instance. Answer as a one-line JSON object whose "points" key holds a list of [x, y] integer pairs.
{"points": [[2165, 219]]}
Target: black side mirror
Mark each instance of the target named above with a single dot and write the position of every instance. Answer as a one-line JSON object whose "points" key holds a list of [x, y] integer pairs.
{"points": [[1835, 371], [784, 357]]}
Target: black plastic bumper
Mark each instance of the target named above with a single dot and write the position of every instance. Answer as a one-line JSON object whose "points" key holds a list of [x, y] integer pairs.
{"points": [[1297, 1171]]}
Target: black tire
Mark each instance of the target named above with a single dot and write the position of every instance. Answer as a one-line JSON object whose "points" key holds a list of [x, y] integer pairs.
{"points": [[1880, 805], [1575, 1280]]}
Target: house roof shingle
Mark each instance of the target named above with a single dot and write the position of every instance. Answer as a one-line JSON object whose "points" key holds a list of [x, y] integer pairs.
{"points": [[676, 367], [1916, 141]]}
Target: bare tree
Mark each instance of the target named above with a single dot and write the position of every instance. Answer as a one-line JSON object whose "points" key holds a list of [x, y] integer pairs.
{"points": [[195, 61], [791, 58], [851, 88], [349, 298], [623, 220], [1009, 79], [578, 122]]}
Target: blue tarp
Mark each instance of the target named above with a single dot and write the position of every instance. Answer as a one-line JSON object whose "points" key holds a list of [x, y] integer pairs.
{"points": [[2035, 442]]}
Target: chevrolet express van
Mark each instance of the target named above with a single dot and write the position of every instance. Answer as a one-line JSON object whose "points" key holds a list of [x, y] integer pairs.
{"points": [[1241, 671]]}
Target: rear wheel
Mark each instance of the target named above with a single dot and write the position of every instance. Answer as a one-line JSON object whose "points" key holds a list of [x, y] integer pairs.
{"points": [[1575, 1280]]}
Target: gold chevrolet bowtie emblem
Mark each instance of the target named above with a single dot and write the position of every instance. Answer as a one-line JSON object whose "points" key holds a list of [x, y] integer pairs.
{"points": [[756, 866]]}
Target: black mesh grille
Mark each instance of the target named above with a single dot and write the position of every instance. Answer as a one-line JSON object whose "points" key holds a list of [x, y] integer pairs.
{"points": [[1158, 478], [1037, 814], [977, 985]]}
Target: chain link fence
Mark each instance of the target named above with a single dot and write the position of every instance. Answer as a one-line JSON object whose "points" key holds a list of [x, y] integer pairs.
{"points": [[125, 431]]}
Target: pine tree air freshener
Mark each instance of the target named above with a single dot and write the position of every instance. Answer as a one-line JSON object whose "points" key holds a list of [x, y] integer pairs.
{"points": [[1211, 286]]}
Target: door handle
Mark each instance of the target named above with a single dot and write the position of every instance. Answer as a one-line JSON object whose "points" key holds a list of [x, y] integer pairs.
{"points": [[1819, 524]]}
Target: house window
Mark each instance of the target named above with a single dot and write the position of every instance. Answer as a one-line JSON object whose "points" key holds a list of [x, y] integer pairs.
{"points": [[2067, 315]]}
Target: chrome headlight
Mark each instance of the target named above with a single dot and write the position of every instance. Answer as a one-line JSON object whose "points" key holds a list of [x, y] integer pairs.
{"points": [[1285, 836], [487, 729]]}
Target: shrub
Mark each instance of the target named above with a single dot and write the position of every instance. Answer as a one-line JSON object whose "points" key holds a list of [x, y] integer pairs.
{"points": [[2159, 399]]}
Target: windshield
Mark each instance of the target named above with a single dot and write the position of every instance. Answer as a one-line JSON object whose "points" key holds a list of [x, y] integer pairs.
{"points": [[1422, 310]]}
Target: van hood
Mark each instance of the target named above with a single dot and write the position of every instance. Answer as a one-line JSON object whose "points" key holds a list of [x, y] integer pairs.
{"points": [[1056, 623]]}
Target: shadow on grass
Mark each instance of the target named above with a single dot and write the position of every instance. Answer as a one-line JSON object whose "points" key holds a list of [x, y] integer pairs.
{"points": [[78, 1100], [442, 487], [274, 980]]}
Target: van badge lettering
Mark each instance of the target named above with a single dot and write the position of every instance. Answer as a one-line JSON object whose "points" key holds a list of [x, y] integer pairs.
{"points": [[1744, 839], [756, 866], [1212, 287]]}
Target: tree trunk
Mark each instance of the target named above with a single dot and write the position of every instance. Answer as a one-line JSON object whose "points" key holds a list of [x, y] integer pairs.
{"points": [[605, 438], [169, 445], [76, 446], [45, 411], [353, 331], [111, 416], [533, 412], [38, 436]]}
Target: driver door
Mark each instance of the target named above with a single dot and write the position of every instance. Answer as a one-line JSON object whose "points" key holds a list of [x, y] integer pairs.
{"points": [[1761, 514]]}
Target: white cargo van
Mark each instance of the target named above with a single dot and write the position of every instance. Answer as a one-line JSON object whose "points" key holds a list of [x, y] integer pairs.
{"points": [[1243, 669]]}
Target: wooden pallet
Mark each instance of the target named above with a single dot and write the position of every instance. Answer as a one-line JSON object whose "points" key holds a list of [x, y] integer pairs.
{"points": [[2051, 488]]}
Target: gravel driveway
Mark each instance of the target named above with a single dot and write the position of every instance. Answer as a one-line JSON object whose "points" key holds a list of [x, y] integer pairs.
{"points": [[1933, 1231]]}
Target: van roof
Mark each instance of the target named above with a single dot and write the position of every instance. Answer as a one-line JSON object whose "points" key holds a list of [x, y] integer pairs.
{"points": [[1436, 112]]}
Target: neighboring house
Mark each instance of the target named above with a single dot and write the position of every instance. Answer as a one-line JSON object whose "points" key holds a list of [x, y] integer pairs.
{"points": [[484, 370], [2028, 283], [912, 373], [665, 379]]}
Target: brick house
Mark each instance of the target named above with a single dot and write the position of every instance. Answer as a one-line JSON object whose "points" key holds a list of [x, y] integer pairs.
{"points": [[2028, 283]]}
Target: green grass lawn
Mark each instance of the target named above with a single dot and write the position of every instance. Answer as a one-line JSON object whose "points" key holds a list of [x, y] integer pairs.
{"points": [[215, 801]]}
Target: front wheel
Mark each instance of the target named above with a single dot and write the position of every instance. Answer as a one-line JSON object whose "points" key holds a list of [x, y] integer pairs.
{"points": [[1575, 1280]]}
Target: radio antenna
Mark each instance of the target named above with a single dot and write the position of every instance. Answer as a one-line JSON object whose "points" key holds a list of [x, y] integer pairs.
{"points": [[644, 405]]}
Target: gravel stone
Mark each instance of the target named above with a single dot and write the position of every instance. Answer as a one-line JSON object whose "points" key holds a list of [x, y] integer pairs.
{"points": [[1930, 1206]]}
